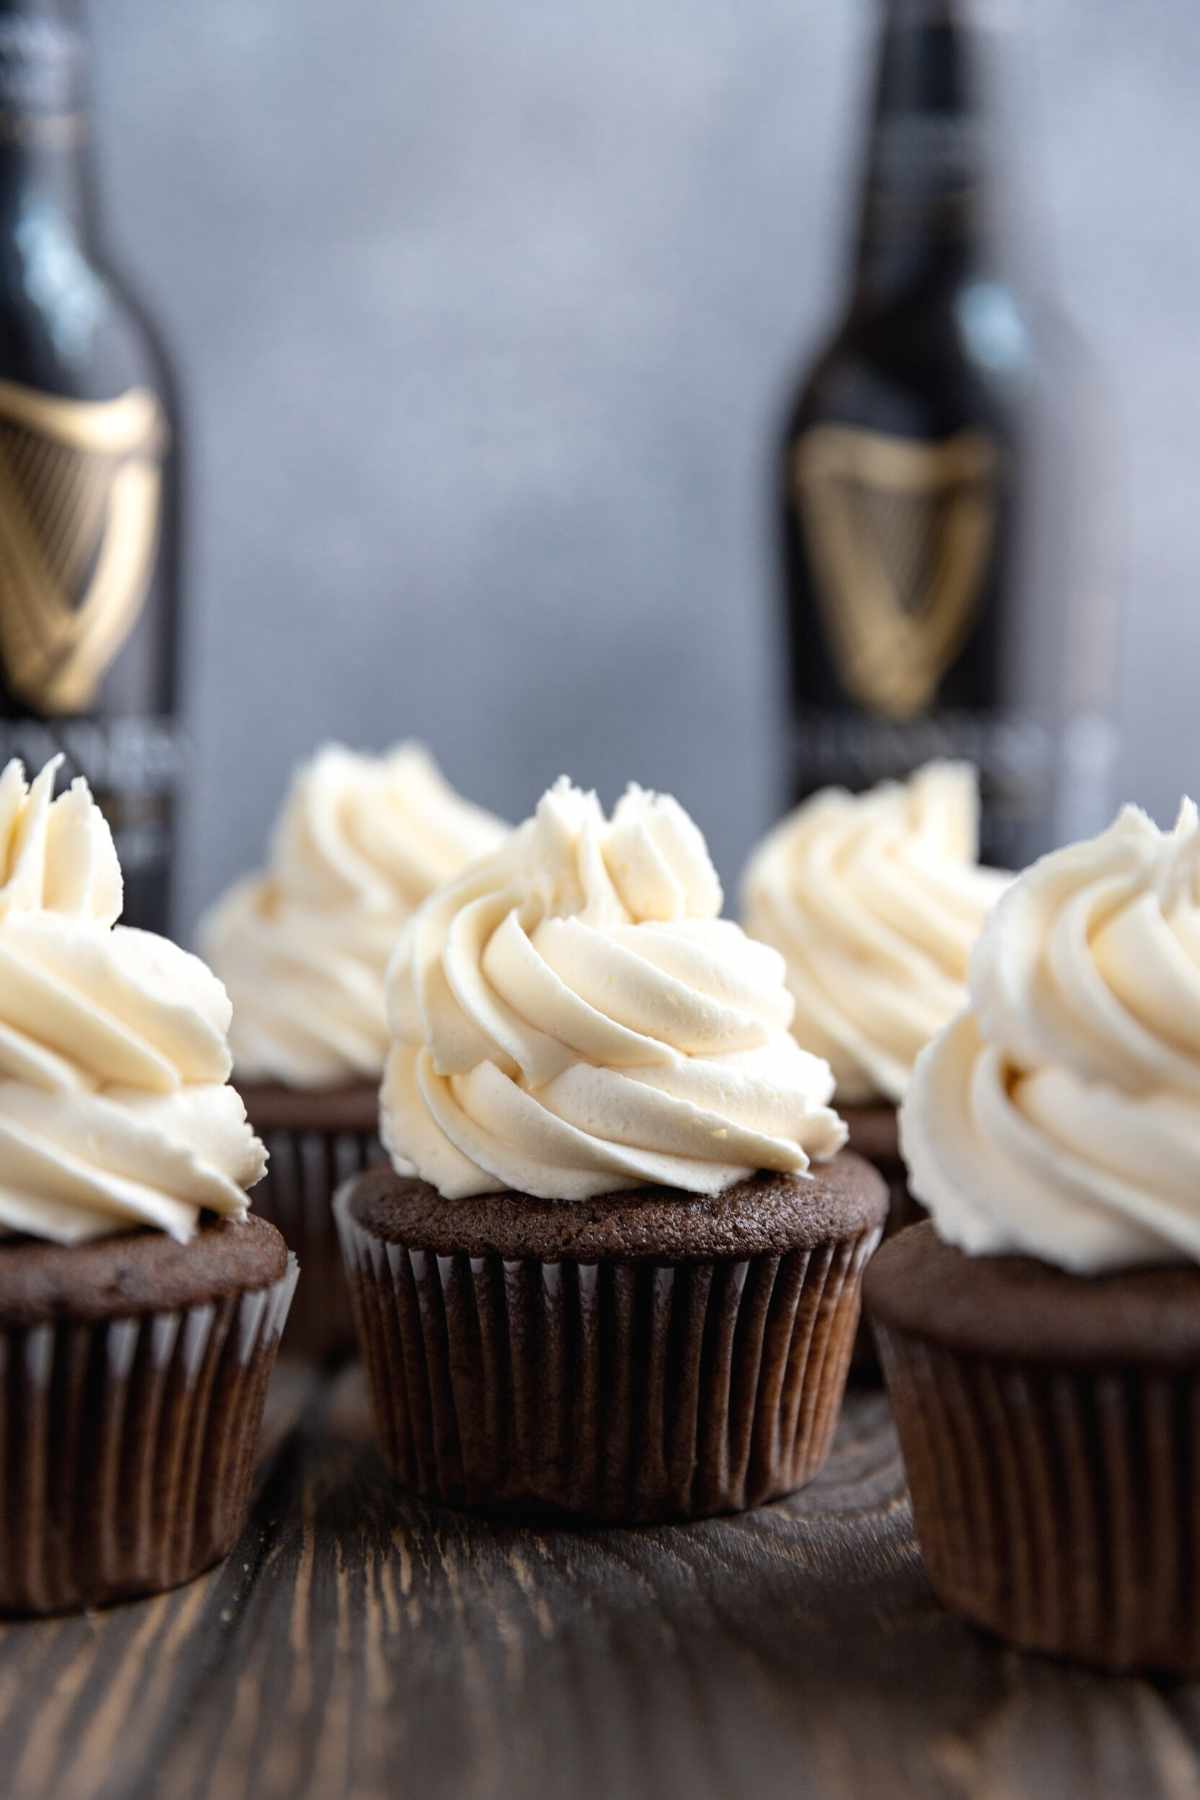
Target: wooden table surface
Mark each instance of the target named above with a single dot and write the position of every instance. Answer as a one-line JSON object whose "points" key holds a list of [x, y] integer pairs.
{"points": [[357, 1643]]}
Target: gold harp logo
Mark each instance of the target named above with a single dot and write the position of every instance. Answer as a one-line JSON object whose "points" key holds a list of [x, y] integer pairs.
{"points": [[899, 534], [80, 492]]}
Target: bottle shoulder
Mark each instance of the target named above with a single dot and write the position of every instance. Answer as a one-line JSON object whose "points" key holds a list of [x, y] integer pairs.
{"points": [[70, 326], [923, 362]]}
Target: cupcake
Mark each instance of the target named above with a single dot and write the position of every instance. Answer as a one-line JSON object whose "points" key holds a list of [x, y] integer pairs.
{"points": [[1040, 1334], [303, 950], [875, 901], [140, 1305], [614, 1270]]}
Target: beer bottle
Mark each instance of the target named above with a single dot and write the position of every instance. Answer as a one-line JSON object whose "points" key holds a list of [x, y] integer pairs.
{"points": [[932, 609], [88, 470]]}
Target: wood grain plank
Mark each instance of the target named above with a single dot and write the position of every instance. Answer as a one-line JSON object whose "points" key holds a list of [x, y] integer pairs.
{"points": [[83, 1699], [361, 1644]]}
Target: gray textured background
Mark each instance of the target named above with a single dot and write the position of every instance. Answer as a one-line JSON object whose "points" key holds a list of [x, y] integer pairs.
{"points": [[483, 308]]}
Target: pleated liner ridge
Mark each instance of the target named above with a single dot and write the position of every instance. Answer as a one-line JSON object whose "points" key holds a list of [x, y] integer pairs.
{"points": [[305, 1170], [618, 1391], [1056, 1506], [127, 1447]]}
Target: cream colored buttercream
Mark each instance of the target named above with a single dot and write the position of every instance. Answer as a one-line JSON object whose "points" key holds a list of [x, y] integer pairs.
{"points": [[1059, 1115], [114, 1060], [571, 1017], [303, 948], [875, 901]]}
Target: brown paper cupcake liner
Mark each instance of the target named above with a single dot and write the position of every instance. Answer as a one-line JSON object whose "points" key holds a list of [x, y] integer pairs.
{"points": [[610, 1391], [1056, 1506], [903, 1211], [874, 1134], [305, 1170], [127, 1447]]}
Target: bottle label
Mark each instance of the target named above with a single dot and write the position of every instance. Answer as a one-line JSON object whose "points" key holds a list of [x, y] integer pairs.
{"points": [[1045, 781], [80, 502], [924, 163], [899, 535], [133, 766]]}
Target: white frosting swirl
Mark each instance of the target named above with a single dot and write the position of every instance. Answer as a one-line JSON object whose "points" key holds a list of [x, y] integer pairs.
{"points": [[1060, 1116], [572, 1017], [303, 949], [875, 901], [114, 1108]]}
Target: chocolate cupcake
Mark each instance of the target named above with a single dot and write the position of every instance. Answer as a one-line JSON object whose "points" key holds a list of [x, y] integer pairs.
{"points": [[303, 950], [875, 901], [140, 1308], [603, 1280], [1040, 1335]]}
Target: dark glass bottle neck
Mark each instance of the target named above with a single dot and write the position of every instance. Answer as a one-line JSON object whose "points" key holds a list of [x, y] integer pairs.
{"points": [[43, 182], [45, 162], [923, 215]]}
